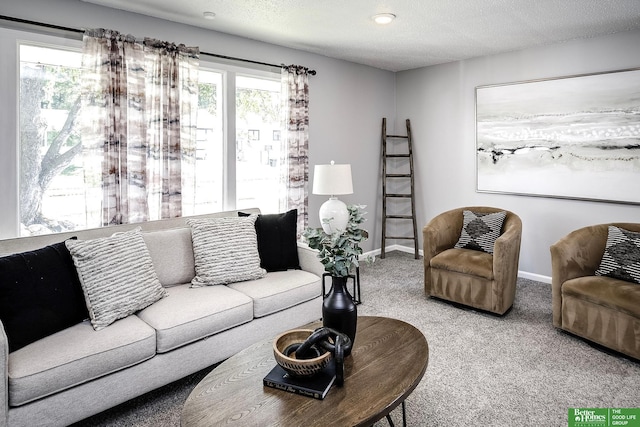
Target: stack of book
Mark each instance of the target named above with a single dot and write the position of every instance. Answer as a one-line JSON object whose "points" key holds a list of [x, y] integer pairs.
{"points": [[316, 386]]}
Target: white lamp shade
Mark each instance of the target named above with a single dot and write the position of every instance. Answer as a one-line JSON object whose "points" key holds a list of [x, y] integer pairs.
{"points": [[332, 179]]}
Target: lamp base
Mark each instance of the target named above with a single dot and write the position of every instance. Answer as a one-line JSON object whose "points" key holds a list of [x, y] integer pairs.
{"points": [[337, 214]]}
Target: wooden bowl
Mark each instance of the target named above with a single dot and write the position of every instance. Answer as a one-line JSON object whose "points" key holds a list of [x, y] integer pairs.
{"points": [[298, 367]]}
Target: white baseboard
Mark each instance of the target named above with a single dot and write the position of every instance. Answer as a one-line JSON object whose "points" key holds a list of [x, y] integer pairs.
{"points": [[376, 252], [523, 274], [534, 276]]}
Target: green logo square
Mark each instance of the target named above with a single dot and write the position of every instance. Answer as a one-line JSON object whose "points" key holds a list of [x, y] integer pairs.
{"points": [[603, 417]]}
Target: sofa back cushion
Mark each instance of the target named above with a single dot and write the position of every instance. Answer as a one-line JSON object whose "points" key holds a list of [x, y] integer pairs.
{"points": [[172, 255], [40, 294]]}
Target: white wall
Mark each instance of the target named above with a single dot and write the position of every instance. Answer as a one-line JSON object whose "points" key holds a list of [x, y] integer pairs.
{"points": [[347, 101], [440, 101]]}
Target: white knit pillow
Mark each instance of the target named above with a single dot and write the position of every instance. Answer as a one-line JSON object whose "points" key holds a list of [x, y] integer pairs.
{"points": [[225, 250], [117, 276]]}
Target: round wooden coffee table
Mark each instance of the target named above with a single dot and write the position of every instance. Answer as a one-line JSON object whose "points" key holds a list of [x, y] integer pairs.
{"points": [[387, 362]]}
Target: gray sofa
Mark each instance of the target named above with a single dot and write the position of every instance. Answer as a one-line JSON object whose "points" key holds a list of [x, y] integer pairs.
{"points": [[78, 372]]}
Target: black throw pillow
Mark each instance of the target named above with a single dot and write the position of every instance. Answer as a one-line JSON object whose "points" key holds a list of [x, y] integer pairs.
{"points": [[40, 294], [277, 240]]}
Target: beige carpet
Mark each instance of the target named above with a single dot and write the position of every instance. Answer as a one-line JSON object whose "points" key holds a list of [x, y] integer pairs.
{"points": [[484, 370]]}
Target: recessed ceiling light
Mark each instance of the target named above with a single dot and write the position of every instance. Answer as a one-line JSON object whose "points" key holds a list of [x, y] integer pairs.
{"points": [[209, 15], [383, 18]]}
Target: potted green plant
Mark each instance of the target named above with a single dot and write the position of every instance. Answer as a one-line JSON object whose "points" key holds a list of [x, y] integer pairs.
{"points": [[339, 253]]}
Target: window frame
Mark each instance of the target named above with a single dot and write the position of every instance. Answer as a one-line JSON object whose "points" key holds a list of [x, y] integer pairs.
{"points": [[10, 42], [229, 74]]}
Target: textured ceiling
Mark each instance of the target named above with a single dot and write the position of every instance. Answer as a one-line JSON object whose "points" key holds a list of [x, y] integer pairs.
{"points": [[425, 32]]}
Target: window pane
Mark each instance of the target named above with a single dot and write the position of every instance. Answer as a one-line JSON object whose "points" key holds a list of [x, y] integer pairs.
{"points": [[210, 140], [51, 178], [258, 147]]}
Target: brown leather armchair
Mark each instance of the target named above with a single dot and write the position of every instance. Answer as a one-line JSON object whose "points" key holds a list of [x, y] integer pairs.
{"points": [[599, 308], [474, 278]]}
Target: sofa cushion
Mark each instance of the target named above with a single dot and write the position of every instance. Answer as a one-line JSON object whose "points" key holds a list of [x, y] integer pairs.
{"points": [[171, 252], [466, 261], [277, 240], [77, 355], [117, 276], [621, 258], [225, 250], [280, 290], [40, 294], [480, 230], [189, 314], [615, 294]]}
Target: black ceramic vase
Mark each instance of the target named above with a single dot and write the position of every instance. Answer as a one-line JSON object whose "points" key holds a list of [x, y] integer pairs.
{"points": [[338, 310]]}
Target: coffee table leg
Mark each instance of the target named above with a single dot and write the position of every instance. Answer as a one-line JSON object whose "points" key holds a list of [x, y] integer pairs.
{"points": [[404, 417]]}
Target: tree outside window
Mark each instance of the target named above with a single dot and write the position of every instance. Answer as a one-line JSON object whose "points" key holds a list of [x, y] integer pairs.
{"points": [[51, 178]]}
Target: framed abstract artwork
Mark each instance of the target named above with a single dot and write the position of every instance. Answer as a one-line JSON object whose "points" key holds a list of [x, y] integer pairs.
{"points": [[575, 137]]}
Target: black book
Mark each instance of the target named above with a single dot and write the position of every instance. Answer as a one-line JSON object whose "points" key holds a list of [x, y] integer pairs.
{"points": [[316, 386]]}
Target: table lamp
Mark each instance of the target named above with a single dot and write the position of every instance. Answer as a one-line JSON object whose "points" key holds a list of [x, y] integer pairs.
{"points": [[333, 180]]}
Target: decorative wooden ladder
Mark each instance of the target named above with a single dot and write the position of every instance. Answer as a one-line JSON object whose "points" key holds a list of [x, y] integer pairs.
{"points": [[397, 177]]}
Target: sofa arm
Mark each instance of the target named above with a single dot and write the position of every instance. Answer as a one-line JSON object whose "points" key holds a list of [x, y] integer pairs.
{"points": [[506, 249], [4, 387], [309, 260], [441, 233], [577, 254]]}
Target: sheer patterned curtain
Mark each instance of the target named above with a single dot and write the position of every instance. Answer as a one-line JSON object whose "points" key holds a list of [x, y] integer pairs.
{"points": [[172, 107], [295, 170], [139, 108]]}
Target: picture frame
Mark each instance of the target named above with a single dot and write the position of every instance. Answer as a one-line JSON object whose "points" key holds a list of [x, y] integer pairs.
{"points": [[574, 137]]}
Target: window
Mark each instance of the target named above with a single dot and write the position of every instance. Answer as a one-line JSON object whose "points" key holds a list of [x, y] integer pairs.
{"points": [[210, 144], [238, 158], [258, 159], [51, 194]]}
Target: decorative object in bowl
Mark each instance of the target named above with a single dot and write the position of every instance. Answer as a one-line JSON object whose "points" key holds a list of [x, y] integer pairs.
{"points": [[285, 342]]}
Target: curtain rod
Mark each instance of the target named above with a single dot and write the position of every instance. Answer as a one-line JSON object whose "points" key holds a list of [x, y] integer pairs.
{"points": [[77, 30]]}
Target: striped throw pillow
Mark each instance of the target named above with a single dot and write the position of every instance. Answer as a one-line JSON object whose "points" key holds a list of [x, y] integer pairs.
{"points": [[621, 258], [480, 230], [225, 250], [117, 276]]}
